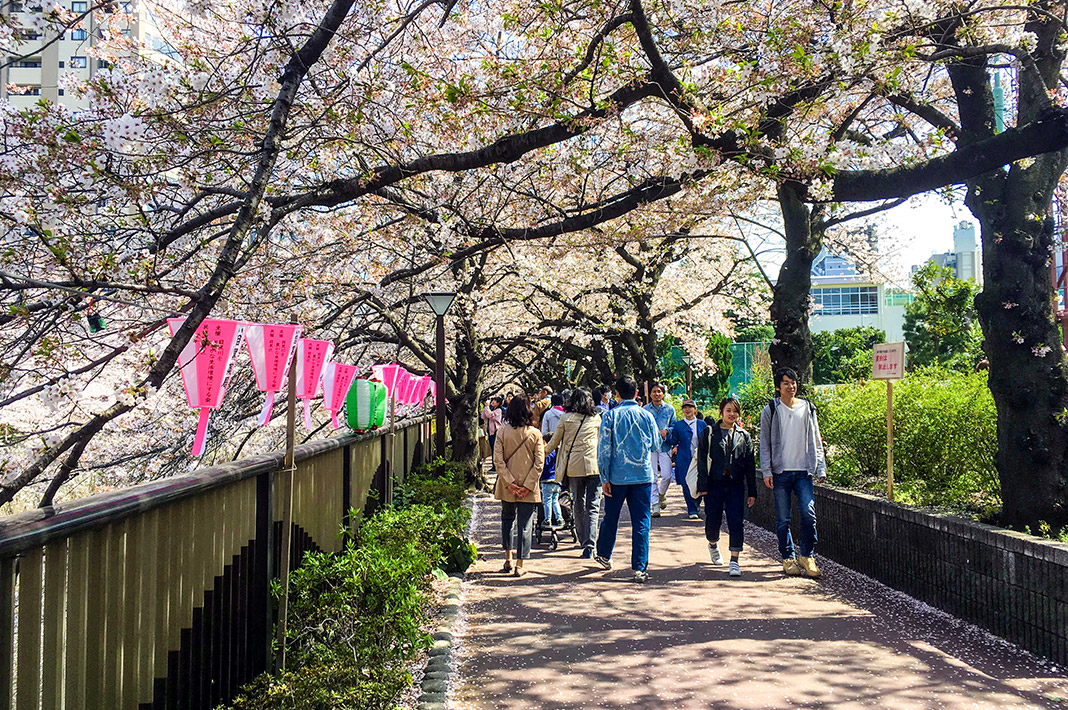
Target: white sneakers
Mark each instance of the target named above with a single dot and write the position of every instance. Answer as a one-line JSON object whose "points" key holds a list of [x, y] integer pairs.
{"points": [[736, 569], [713, 552]]}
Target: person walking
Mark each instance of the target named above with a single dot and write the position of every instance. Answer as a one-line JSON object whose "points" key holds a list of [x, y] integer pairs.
{"points": [[491, 414], [660, 460], [791, 456], [726, 477], [519, 455], [542, 403], [576, 440], [684, 434], [628, 437], [552, 415]]}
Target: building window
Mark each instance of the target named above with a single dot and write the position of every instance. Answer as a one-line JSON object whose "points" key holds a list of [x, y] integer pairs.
{"points": [[27, 91], [846, 301], [14, 6], [77, 35], [78, 63], [28, 64], [79, 6], [61, 92], [102, 64]]}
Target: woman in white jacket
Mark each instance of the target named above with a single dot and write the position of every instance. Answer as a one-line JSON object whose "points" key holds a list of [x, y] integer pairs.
{"points": [[576, 438]]}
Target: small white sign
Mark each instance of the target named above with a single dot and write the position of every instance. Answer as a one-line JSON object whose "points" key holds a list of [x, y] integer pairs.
{"points": [[888, 362]]}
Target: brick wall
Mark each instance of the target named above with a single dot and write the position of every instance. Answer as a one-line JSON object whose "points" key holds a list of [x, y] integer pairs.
{"points": [[1012, 584]]}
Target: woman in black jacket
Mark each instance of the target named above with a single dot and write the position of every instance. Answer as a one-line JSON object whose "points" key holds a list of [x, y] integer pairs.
{"points": [[726, 473]]}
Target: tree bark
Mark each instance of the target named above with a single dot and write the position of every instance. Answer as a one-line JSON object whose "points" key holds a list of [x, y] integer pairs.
{"points": [[1030, 388], [792, 346], [465, 404]]}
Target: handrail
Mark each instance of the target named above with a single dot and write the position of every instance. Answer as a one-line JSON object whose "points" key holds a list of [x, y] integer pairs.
{"points": [[31, 529]]}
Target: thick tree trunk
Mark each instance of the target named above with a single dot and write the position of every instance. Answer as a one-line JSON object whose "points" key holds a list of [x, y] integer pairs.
{"points": [[792, 346], [1028, 371], [464, 402]]}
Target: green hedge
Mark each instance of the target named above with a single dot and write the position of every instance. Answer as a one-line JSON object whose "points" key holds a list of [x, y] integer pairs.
{"points": [[945, 438], [355, 619]]}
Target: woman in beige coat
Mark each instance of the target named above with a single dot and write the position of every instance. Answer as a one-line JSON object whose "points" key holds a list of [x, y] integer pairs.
{"points": [[518, 455], [576, 439]]}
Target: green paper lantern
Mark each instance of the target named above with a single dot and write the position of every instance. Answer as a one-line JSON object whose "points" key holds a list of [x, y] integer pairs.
{"points": [[365, 405]]}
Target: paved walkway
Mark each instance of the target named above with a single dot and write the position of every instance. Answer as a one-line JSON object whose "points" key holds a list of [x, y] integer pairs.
{"points": [[570, 635]]}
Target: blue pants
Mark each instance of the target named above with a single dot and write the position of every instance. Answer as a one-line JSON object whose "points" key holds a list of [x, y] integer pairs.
{"points": [[550, 500], [726, 495], [799, 482], [692, 504], [636, 496], [525, 513]]}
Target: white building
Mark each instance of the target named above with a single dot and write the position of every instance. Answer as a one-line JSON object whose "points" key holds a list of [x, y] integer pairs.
{"points": [[965, 259], [34, 74], [843, 298]]}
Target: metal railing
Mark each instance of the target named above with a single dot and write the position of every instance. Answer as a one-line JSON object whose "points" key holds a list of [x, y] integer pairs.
{"points": [[158, 596]]}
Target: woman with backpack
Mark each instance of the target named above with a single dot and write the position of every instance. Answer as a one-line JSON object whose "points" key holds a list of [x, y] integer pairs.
{"points": [[518, 456], [726, 477], [576, 440]]}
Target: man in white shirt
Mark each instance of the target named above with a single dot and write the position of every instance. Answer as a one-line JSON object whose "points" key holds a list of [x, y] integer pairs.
{"points": [[791, 457]]}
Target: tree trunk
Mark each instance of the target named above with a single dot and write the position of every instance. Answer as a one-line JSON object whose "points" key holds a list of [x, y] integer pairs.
{"points": [[465, 404], [1029, 379], [792, 346]]}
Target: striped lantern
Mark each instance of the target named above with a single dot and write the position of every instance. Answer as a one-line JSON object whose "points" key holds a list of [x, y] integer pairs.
{"points": [[365, 404]]}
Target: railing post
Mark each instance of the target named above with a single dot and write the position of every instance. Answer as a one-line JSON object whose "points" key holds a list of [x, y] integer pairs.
{"points": [[7, 631], [346, 487], [261, 616]]}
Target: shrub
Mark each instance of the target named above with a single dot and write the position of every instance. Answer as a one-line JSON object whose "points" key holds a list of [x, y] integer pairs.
{"points": [[944, 438], [440, 482], [324, 686]]}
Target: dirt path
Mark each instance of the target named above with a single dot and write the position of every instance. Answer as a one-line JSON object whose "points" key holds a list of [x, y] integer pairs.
{"points": [[570, 635]]}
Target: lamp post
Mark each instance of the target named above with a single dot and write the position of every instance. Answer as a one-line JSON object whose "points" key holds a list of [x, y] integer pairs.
{"points": [[440, 303], [689, 375]]}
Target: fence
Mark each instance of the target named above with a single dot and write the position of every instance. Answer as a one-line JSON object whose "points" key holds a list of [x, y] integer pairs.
{"points": [[158, 596], [1012, 584]]}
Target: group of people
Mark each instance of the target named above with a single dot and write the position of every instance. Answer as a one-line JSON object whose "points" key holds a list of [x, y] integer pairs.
{"points": [[610, 451]]}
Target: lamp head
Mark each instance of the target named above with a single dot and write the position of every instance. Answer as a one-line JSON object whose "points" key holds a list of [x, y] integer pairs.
{"points": [[440, 302]]}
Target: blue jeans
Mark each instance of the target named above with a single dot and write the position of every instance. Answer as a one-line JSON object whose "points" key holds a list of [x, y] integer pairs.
{"points": [[550, 500], [692, 504], [525, 513], [636, 496], [586, 503], [799, 482], [726, 495]]}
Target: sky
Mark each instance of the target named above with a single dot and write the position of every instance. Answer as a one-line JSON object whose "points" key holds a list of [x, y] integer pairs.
{"points": [[921, 227]]}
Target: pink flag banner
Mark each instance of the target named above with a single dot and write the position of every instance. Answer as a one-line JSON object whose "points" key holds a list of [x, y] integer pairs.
{"points": [[408, 392], [205, 366], [392, 376], [337, 379], [422, 385], [271, 347], [312, 356]]}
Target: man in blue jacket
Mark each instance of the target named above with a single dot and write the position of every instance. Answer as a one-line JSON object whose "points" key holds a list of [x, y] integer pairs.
{"points": [[684, 434], [628, 436]]}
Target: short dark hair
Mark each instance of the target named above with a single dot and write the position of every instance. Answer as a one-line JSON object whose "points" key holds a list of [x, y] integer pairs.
{"points": [[519, 414], [627, 387], [657, 385], [785, 372], [582, 403], [497, 399], [556, 399]]}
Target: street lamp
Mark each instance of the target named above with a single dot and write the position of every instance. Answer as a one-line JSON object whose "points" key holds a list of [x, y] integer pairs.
{"points": [[440, 303], [689, 375]]}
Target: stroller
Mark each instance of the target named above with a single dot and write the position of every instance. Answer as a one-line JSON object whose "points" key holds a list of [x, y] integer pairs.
{"points": [[566, 508]]}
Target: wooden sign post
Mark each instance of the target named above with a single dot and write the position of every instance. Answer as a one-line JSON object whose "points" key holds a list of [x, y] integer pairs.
{"points": [[888, 363]]}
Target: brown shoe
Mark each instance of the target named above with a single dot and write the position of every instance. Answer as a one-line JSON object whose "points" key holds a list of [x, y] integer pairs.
{"points": [[791, 568], [520, 571], [507, 566], [808, 567]]}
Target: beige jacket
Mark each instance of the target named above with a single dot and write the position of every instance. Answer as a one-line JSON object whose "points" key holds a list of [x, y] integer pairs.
{"points": [[576, 439], [540, 407], [518, 455]]}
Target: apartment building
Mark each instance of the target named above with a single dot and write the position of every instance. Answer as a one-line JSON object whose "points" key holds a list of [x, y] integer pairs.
{"points": [[34, 73]]}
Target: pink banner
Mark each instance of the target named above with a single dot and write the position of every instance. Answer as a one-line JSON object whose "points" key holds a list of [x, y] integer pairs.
{"points": [[205, 366], [271, 348], [312, 356], [391, 376], [337, 379], [422, 385]]}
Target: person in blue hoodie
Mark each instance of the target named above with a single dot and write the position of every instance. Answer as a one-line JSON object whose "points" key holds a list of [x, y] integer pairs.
{"points": [[684, 434], [628, 436]]}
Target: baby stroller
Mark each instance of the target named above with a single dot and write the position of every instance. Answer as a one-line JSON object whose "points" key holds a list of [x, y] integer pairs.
{"points": [[542, 527]]}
